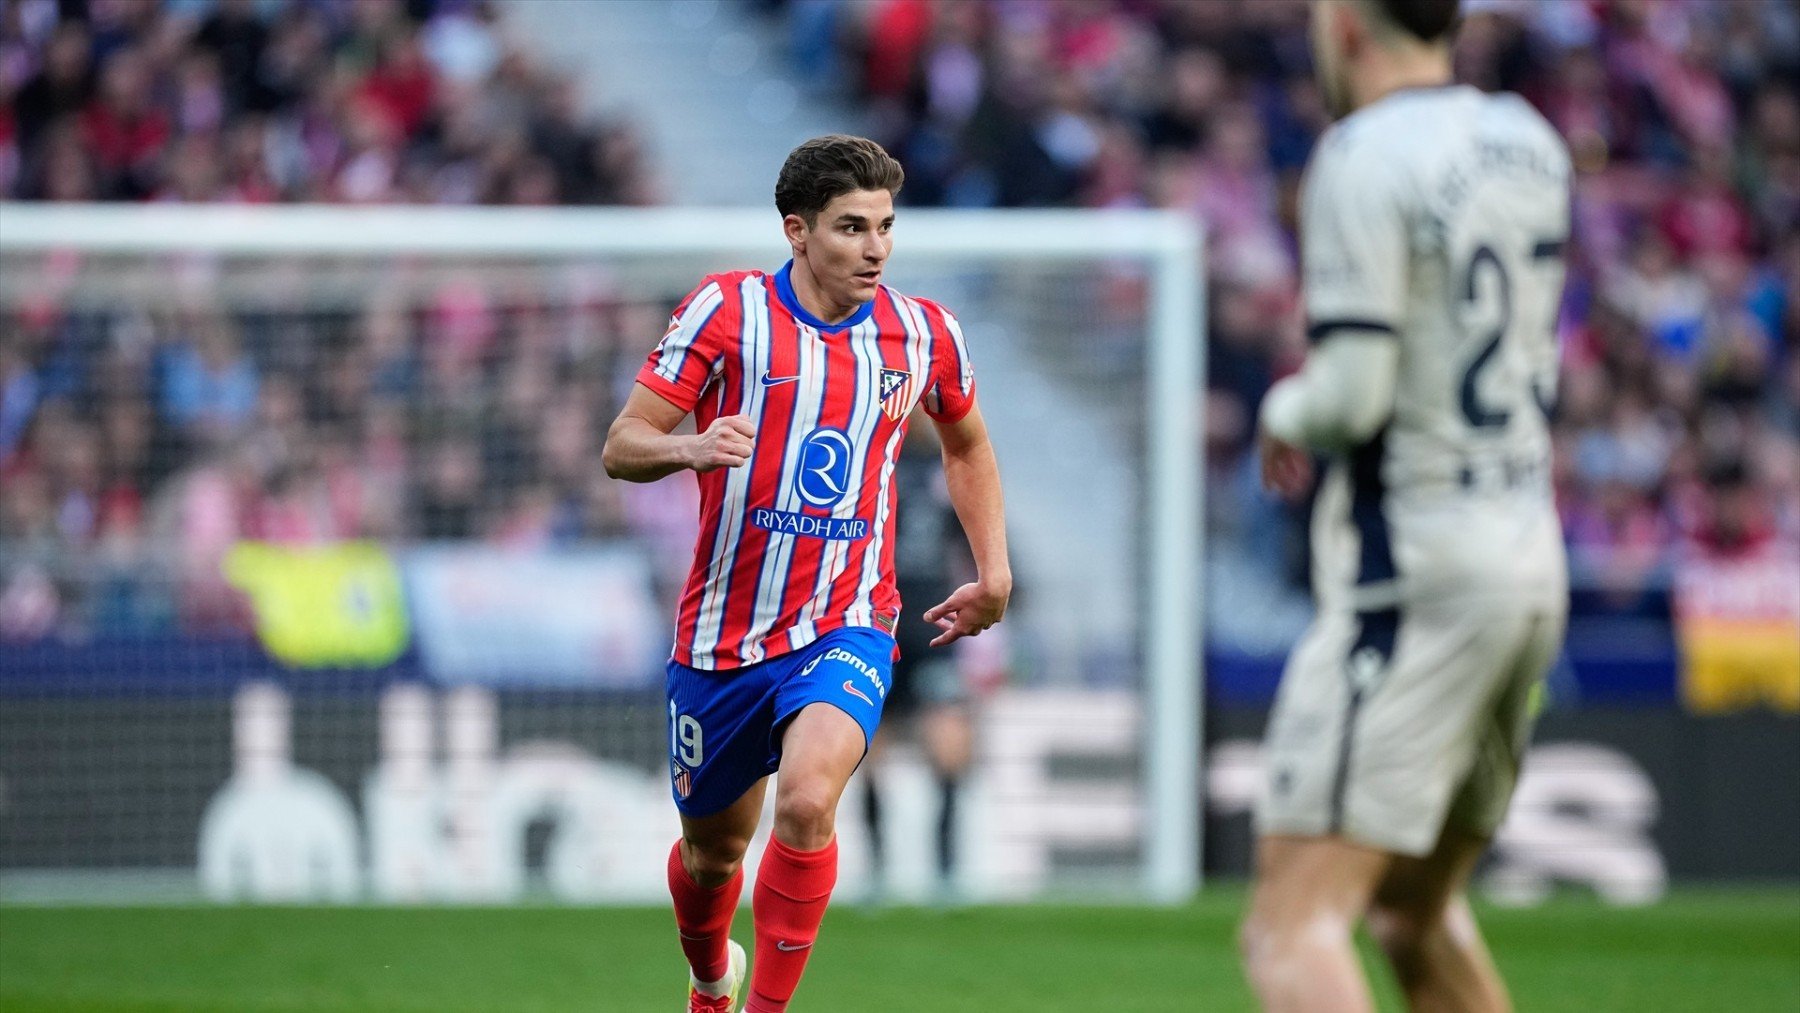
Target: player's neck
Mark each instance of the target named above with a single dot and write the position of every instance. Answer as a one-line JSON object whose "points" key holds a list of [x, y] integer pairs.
{"points": [[1400, 71], [812, 296]]}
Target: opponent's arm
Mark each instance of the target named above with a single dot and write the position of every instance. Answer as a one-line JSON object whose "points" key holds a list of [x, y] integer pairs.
{"points": [[973, 477], [1355, 252], [641, 445], [1339, 399]]}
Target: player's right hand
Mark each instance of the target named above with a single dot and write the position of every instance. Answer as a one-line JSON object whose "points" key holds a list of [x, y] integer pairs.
{"points": [[1287, 470], [725, 444]]}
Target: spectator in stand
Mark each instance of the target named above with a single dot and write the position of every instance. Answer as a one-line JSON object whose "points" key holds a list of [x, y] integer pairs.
{"points": [[209, 386], [122, 130], [450, 495], [30, 600], [237, 40], [60, 86]]}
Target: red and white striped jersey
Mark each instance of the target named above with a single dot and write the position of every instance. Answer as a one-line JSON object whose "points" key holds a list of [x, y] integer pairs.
{"points": [[800, 540]]}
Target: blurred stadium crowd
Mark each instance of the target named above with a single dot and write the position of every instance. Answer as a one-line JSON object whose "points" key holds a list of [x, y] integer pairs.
{"points": [[1678, 431], [1679, 424], [362, 101], [137, 445]]}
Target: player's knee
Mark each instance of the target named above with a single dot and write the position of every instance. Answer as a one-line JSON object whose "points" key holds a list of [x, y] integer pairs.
{"points": [[1252, 938], [1266, 952], [1272, 936], [716, 860], [805, 816], [1400, 934], [1261, 936]]}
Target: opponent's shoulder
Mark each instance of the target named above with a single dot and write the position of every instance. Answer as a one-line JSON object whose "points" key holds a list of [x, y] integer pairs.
{"points": [[1369, 151], [1422, 126], [1511, 115], [1404, 129], [1383, 129]]}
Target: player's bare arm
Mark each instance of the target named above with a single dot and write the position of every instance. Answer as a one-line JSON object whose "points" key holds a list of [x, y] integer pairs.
{"points": [[642, 445], [973, 476]]}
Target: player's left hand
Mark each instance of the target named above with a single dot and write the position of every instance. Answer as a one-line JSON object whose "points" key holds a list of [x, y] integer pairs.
{"points": [[1286, 469], [969, 610]]}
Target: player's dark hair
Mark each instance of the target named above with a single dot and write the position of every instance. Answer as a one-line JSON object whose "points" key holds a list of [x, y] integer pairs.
{"points": [[1426, 20], [828, 167]]}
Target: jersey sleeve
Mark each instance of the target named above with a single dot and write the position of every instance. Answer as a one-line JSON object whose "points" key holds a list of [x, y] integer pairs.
{"points": [[1340, 398], [692, 351], [952, 386], [1354, 239]]}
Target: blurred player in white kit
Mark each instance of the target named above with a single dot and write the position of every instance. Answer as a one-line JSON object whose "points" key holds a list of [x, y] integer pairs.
{"points": [[1433, 224]]}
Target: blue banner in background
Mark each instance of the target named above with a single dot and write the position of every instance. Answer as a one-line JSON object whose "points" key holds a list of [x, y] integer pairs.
{"points": [[1605, 662], [570, 619]]}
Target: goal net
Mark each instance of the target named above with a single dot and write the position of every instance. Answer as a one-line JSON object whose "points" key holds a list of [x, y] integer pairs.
{"points": [[312, 587]]}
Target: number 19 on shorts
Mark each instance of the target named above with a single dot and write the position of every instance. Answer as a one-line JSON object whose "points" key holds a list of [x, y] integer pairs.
{"points": [[684, 738]]}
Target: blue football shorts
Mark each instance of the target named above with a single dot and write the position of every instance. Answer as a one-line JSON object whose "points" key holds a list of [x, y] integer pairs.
{"points": [[725, 727]]}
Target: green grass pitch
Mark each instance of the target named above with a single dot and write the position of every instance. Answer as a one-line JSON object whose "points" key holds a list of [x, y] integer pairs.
{"points": [[1700, 951]]}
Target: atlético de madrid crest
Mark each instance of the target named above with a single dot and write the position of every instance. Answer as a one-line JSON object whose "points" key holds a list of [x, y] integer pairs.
{"points": [[896, 393]]}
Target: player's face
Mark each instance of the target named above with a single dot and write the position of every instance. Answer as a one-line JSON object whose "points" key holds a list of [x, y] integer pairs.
{"points": [[848, 245], [1328, 57]]}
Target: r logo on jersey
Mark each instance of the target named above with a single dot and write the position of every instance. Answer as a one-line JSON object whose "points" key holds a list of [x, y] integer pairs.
{"points": [[823, 477], [896, 393]]}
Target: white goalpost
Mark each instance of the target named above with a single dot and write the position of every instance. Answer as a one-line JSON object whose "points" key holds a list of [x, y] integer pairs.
{"points": [[1067, 296]]}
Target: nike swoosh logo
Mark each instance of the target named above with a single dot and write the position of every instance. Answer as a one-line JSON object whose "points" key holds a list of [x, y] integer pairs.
{"points": [[770, 381], [781, 944], [850, 687]]}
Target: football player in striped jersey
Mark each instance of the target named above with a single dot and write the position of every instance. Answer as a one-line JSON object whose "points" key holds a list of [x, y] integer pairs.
{"points": [[801, 383]]}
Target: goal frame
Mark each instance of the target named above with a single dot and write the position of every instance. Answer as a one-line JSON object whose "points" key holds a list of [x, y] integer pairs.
{"points": [[1172, 244]]}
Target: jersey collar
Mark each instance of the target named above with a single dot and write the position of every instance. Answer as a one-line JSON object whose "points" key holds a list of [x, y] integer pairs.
{"points": [[784, 290]]}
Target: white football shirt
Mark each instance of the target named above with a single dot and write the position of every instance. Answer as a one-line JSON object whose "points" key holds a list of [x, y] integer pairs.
{"points": [[1437, 218]]}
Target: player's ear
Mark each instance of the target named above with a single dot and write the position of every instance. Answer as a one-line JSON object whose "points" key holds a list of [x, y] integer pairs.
{"points": [[795, 228]]}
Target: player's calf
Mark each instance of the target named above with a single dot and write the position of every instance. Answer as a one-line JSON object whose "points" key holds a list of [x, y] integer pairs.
{"points": [[1440, 963], [1423, 924], [703, 920], [793, 888], [705, 881]]}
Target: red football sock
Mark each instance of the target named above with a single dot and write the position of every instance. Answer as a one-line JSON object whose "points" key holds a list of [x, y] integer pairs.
{"points": [[792, 889], [703, 917]]}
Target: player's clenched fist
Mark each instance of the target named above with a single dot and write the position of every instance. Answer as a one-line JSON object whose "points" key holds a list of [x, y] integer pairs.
{"points": [[725, 444]]}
